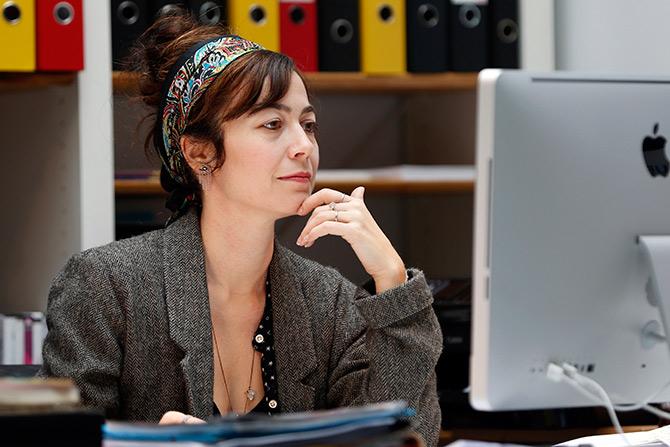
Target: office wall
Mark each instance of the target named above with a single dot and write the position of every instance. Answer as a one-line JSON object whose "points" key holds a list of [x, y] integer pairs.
{"points": [[628, 36]]}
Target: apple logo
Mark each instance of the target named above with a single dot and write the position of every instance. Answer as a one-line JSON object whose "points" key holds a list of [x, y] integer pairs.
{"points": [[653, 149]]}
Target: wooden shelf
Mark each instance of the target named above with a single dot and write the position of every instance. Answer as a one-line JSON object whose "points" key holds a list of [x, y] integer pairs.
{"points": [[29, 81], [411, 179], [332, 82], [529, 437]]}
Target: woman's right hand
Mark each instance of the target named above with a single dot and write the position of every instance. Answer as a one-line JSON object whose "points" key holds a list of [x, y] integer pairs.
{"points": [[175, 417]]}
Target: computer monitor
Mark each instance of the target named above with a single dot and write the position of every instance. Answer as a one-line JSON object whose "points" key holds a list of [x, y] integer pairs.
{"points": [[571, 169]]}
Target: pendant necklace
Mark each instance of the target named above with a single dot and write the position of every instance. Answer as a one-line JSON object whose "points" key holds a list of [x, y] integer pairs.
{"points": [[250, 393]]}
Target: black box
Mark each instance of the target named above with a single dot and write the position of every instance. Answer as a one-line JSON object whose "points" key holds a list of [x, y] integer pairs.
{"points": [[504, 33], [129, 20], [427, 36], [468, 35], [339, 35]]}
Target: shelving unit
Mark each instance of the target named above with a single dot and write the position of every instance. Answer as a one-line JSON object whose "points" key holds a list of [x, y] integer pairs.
{"points": [[396, 179], [12, 82], [126, 82], [58, 150]]}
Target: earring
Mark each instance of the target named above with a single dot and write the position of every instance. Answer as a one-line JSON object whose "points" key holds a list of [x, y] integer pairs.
{"points": [[205, 177]]}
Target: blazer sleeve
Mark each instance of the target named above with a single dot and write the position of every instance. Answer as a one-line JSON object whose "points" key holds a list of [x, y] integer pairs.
{"points": [[84, 341], [386, 347]]}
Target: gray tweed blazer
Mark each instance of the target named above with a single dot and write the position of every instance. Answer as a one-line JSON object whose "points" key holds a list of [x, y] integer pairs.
{"points": [[130, 323]]}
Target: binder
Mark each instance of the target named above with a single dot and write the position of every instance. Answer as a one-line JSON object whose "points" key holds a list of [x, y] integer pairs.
{"points": [[129, 19], [468, 35], [162, 7], [208, 12], [504, 33], [256, 20], [427, 35], [17, 35], [297, 32], [60, 35], [338, 35], [383, 36]]}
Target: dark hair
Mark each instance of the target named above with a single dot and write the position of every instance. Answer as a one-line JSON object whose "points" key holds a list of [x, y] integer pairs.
{"points": [[235, 92]]}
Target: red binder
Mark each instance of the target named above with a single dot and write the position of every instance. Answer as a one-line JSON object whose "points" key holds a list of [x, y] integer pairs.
{"points": [[298, 32], [60, 35]]}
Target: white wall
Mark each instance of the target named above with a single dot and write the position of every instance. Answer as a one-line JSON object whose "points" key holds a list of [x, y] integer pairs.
{"points": [[537, 34], [627, 36]]}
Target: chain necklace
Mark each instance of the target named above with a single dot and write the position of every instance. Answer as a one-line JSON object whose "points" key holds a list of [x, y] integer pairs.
{"points": [[250, 394]]}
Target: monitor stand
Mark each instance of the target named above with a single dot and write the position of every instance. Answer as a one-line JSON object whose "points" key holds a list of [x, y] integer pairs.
{"points": [[656, 251]]}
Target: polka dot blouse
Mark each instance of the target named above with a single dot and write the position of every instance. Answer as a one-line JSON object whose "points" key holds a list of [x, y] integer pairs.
{"points": [[263, 342]]}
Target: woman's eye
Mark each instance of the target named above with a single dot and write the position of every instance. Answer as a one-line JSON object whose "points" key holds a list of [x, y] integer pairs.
{"points": [[310, 126], [272, 125]]}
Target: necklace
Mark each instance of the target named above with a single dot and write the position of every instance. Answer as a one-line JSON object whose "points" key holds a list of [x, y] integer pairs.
{"points": [[250, 394]]}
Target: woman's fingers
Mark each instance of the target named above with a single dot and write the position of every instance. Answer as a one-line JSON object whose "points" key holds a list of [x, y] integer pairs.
{"points": [[339, 212], [322, 197], [176, 417]]}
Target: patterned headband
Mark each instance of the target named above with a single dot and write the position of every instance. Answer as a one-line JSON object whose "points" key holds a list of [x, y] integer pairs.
{"points": [[195, 70]]}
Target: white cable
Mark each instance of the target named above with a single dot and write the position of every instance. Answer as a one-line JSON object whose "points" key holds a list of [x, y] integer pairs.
{"points": [[569, 374], [643, 403]]}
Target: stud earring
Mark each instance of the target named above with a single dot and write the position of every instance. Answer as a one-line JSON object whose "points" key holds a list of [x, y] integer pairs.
{"points": [[205, 177]]}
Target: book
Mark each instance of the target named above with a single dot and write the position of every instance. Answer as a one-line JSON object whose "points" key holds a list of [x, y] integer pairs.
{"points": [[383, 422]]}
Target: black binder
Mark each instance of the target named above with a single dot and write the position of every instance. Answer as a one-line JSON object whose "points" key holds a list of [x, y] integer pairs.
{"points": [[504, 33], [468, 35], [339, 35], [162, 7], [209, 12], [427, 35], [129, 19]]}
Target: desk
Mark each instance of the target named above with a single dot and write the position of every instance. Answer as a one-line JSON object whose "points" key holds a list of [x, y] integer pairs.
{"points": [[530, 437]]}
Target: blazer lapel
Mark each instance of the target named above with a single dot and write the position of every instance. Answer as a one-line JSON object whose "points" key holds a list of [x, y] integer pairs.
{"points": [[188, 310], [292, 326]]}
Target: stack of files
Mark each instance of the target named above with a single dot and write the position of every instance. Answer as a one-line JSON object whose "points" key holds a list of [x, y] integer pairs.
{"points": [[42, 35], [41, 412], [382, 424], [21, 338]]}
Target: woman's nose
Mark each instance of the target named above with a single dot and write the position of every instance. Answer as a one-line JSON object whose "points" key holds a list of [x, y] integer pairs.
{"points": [[302, 144]]}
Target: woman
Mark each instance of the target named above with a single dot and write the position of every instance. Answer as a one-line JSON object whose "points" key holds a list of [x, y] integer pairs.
{"points": [[211, 314]]}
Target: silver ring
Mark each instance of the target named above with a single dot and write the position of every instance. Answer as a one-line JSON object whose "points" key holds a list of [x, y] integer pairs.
{"points": [[186, 418], [343, 197], [332, 206], [336, 213]]}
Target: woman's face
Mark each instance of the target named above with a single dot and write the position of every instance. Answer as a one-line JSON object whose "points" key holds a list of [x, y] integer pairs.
{"points": [[271, 155]]}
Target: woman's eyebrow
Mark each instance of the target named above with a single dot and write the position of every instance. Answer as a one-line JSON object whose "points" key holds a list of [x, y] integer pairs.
{"points": [[284, 107]]}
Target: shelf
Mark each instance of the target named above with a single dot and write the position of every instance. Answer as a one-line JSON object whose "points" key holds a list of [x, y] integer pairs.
{"points": [[332, 82], [29, 81], [529, 437], [437, 179]]}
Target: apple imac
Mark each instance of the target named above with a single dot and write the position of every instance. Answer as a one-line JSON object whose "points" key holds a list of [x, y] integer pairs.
{"points": [[572, 171]]}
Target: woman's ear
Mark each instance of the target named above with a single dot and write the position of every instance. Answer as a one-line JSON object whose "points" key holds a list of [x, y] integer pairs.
{"points": [[196, 152]]}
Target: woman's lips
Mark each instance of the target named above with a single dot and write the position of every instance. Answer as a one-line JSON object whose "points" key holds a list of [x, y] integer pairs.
{"points": [[298, 179]]}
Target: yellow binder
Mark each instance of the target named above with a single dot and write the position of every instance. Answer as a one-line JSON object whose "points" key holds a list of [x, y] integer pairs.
{"points": [[17, 35], [256, 20], [383, 43]]}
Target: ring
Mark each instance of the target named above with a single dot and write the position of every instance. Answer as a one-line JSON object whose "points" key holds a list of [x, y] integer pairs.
{"points": [[336, 212], [343, 196], [186, 418], [332, 206]]}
